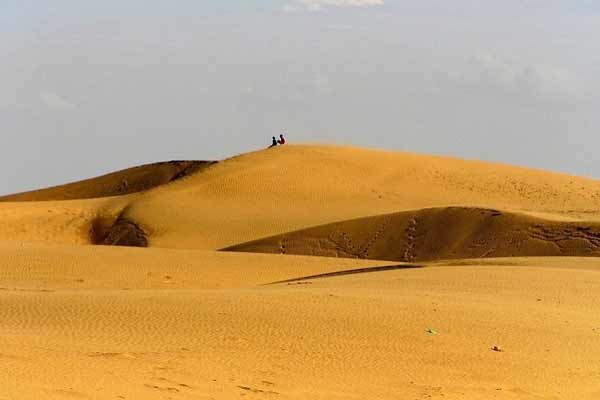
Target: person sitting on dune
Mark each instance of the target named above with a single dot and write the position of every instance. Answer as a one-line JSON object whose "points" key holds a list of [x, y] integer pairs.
{"points": [[281, 139], [274, 142]]}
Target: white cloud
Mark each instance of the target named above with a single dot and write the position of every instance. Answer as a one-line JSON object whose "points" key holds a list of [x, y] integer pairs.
{"points": [[491, 73], [55, 102], [320, 5]]}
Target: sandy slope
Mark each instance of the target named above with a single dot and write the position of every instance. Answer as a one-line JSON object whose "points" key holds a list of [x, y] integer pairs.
{"points": [[56, 221], [181, 320], [438, 234], [131, 180], [284, 189], [279, 190], [105, 323]]}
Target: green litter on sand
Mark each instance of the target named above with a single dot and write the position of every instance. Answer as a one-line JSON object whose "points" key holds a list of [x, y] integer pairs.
{"points": [[432, 332]]}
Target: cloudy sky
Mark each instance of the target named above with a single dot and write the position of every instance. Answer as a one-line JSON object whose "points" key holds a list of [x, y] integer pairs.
{"points": [[93, 86]]}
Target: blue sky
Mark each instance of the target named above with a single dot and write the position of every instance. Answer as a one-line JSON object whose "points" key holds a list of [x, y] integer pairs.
{"points": [[89, 87]]}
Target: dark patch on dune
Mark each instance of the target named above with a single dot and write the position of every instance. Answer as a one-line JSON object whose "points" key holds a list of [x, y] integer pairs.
{"points": [[111, 230], [128, 181], [437, 234], [126, 233], [123, 232], [100, 228]]}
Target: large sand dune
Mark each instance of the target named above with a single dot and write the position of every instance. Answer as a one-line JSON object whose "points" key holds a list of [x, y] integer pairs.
{"points": [[294, 187], [290, 188], [411, 310]]}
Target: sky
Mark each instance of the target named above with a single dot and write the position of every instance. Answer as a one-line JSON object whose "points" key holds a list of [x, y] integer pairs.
{"points": [[92, 87]]}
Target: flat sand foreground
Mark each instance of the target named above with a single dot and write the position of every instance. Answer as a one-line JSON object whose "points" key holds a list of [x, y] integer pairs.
{"points": [[181, 319], [209, 325]]}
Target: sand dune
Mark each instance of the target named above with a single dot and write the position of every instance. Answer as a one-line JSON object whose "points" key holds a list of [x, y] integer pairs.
{"points": [[437, 234], [294, 187], [132, 180], [181, 320]]}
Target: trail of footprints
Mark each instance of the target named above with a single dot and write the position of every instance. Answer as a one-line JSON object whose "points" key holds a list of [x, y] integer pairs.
{"points": [[588, 234], [453, 232], [411, 234], [349, 248], [365, 252]]}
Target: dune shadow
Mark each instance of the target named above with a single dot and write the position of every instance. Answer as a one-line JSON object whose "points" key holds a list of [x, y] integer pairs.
{"points": [[349, 272]]}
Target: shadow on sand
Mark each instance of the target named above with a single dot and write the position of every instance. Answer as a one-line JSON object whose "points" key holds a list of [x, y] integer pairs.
{"points": [[349, 272]]}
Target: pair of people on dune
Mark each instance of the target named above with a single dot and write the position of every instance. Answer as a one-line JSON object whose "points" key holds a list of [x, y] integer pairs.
{"points": [[279, 141]]}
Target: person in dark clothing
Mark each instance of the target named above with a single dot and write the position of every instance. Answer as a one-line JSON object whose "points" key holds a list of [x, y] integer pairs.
{"points": [[274, 142], [281, 139]]}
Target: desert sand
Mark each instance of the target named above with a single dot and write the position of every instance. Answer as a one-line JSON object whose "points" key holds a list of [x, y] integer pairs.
{"points": [[303, 272]]}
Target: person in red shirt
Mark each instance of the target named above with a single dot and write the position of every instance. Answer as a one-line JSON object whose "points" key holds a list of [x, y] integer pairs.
{"points": [[281, 139]]}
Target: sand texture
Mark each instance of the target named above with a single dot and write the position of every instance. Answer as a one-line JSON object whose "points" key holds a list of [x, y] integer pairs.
{"points": [[132, 180], [438, 234], [303, 272]]}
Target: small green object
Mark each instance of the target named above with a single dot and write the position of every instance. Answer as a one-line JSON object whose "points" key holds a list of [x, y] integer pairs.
{"points": [[432, 331]]}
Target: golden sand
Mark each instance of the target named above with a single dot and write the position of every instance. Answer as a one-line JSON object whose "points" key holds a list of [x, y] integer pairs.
{"points": [[183, 320]]}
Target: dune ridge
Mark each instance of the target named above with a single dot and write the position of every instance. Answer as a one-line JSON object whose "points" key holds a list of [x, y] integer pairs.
{"points": [[437, 234], [127, 181], [293, 187]]}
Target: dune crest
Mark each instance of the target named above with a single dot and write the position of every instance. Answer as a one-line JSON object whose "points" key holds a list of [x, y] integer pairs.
{"points": [[437, 234], [285, 189], [293, 187], [127, 181]]}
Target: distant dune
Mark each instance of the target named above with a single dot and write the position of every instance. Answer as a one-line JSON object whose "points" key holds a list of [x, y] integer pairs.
{"points": [[424, 285], [132, 180]]}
